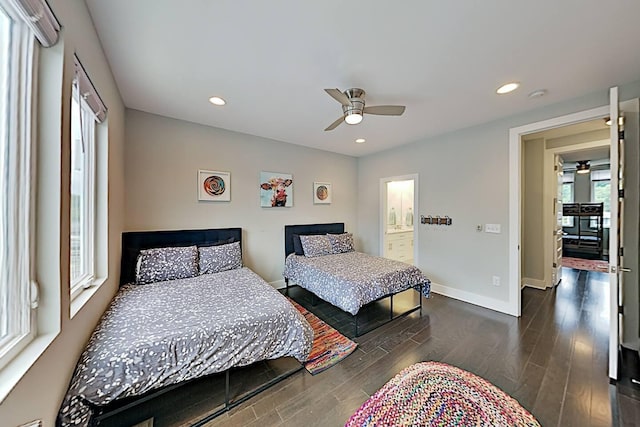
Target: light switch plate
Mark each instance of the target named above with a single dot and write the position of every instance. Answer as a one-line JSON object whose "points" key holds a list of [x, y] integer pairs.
{"points": [[492, 228]]}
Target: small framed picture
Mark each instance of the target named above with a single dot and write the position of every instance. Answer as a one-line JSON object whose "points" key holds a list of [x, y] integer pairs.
{"points": [[276, 190], [322, 193], [214, 186]]}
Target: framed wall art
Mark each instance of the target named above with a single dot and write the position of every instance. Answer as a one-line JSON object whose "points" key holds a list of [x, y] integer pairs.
{"points": [[322, 193], [214, 186], [276, 189]]}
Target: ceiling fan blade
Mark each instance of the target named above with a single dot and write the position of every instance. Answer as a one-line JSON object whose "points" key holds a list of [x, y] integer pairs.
{"points": [[339, 96], [335, 124], [385, 110]]}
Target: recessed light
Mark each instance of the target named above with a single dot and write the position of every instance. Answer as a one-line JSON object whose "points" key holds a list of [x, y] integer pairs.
{"points": [[509, 87], [216, 100], [360, 140]]}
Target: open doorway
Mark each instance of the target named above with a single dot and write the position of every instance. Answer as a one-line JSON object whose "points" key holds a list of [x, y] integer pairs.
{"points": [[623, 311], [586, 209], [398, 205], [566, 201]]}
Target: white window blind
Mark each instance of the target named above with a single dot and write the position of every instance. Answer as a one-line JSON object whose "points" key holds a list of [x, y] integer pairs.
{"points": [[38, 16], [88, 92], [18, 294], [601, 175], [568, 177]]}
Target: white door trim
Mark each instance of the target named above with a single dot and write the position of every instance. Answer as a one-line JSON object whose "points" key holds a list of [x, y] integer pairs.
{"points": [[515, 179], [614, 244]]}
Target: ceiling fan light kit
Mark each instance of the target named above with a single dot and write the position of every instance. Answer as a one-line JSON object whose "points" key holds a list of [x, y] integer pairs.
{"points": [[353, 107], [583, 166], [352, 118]]}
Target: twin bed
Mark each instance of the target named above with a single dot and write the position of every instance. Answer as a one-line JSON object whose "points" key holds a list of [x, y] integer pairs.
{"points": [[321, 259], [187, 308]]}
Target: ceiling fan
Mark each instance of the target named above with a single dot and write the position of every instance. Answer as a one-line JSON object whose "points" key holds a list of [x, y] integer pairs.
{"points": [[353, 108]]}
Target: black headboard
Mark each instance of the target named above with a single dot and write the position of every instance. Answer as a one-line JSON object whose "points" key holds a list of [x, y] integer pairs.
{"points": [[290, 230], [134, 241]]}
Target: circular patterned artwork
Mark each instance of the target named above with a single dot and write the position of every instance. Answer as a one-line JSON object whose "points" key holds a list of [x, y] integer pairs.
{"points": [[322, 192], [214, 185]]}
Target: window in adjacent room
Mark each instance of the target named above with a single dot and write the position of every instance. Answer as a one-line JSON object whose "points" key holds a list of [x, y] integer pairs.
{"points": [[18, 296], [568, 183], [87, 111], [601, 193]]}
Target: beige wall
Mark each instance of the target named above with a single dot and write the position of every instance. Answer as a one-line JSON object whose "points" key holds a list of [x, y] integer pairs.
{"points": [[463, 175], [39, 393], [162, 160], [532, 214]]}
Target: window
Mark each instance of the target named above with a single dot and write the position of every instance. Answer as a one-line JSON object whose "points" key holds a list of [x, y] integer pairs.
{"points": [[568, 195], [87, 110], [17, 293], [82, 193], [601, 193]]}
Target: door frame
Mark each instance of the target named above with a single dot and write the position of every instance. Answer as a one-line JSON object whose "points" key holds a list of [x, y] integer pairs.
{"points": [[416, 209], [515, 191]]}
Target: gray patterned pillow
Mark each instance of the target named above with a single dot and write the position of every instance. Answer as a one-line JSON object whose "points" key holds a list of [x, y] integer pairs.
{"points": [[214, 259], [341, 243], [315, 245], [160, 264]]}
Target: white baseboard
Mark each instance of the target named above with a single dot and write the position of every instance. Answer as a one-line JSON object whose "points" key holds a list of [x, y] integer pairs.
{"points": [[534, 283], [482, 301]]}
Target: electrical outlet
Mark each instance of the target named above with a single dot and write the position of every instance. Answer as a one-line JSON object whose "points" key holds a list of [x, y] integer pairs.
{"points": [[496, 280]]}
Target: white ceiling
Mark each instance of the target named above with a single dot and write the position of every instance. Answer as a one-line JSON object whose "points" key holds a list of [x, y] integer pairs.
{"points": [[271, 61]]}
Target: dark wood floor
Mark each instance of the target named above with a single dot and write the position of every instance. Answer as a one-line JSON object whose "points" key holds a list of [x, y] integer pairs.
{"points": [[553, 360]]}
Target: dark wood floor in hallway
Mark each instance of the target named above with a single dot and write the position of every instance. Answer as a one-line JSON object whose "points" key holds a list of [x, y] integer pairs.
{"points": [[553, 360]]}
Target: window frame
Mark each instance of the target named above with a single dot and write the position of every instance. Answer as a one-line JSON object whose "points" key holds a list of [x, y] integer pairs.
{"points": [[87, 125], [19, 297]]}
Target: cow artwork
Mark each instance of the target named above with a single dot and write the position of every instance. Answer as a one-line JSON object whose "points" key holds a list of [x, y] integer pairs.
{"points": [[274, 188]]}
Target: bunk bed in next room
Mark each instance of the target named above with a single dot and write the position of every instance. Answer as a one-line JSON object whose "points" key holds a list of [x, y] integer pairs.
{"points": [[585, 238]]}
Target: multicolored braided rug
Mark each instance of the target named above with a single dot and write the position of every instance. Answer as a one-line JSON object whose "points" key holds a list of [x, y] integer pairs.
{"points": [[329, 346], [437, 394]]}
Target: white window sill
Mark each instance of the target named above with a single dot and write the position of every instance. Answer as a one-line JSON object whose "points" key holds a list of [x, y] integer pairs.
{"points": [[83, 297], [11, 374]]}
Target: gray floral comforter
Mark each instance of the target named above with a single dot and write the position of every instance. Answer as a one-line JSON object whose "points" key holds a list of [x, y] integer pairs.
{"points": [[352, 279], [168, 332]]}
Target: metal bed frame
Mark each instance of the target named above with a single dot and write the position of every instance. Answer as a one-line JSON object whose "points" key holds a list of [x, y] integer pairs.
{"points": [[227, 406]]}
